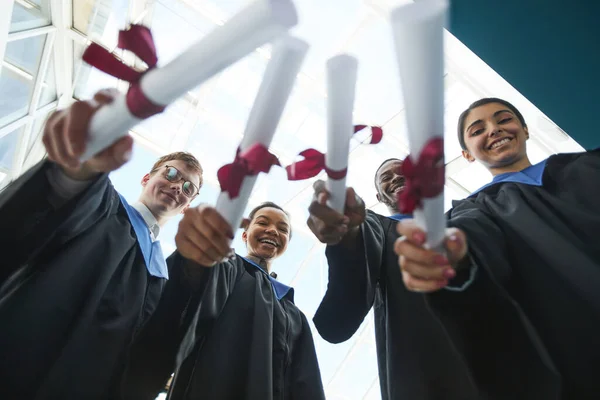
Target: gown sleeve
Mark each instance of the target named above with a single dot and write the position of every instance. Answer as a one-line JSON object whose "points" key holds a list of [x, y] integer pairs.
{"points": [[353, 278], [37, 227], [488, 328], [185, 300]]}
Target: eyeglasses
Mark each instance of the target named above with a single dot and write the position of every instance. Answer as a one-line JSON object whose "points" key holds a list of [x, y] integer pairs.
{"points": [[173, 175]]}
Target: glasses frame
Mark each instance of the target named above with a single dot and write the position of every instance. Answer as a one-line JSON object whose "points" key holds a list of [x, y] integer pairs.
{"points": [[182, 178]]}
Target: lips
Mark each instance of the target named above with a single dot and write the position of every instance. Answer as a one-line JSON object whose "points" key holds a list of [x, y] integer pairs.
{"points": [[170, 195], [499, 142]]}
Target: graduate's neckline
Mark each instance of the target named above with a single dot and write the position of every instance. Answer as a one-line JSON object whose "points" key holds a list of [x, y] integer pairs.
{"points": [[279, 288], [531, 175]]}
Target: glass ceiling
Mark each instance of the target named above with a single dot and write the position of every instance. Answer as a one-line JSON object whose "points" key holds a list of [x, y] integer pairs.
{"points": [[41, 45]]}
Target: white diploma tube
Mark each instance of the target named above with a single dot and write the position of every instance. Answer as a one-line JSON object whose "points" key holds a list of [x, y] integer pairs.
{"points": [[257, 24], [418, 31], [341, 88], [273, 93]]}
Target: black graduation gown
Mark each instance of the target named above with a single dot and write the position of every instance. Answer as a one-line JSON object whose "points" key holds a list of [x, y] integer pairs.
{"points": [[239, 341], [528, 325], [75, 288], [416, 360]]}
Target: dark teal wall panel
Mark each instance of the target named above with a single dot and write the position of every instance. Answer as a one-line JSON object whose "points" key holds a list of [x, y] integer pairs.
{"points": [[549, 50]]}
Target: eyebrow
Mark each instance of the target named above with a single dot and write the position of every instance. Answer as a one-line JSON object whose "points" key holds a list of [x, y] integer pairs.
{"points": [[495, 114]]}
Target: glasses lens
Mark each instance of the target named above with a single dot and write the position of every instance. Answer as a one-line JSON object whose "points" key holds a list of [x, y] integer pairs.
{"points": [[172, 174], [188, 189]]}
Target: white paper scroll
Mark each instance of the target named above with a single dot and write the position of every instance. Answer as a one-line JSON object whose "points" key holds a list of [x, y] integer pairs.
{"points": [[341, 85], [418, 30], [275, 89], [259, 23]]}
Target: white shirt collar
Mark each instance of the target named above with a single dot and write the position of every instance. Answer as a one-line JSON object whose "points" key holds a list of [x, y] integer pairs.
{"points": [[148, 217]]}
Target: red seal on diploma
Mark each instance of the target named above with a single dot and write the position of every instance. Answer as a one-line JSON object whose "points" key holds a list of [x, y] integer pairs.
{"points": [[314, 160], [138, 40], [424, 178], [255, 159]]}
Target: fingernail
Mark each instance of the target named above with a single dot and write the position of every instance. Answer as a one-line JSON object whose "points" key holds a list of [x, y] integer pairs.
{"points": [[449, 273], [127, 155], [441, 260], [442, 283], [454, 238], [343, 228], [419, 237], [345, 220]]}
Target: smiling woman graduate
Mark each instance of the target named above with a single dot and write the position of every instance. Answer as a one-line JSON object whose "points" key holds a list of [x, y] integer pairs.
{"points": [[242, 336], [524, 308]]}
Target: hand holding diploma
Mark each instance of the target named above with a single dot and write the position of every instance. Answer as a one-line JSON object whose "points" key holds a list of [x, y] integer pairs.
{"points": [[154, 89], [418, 31], [341, 85]]}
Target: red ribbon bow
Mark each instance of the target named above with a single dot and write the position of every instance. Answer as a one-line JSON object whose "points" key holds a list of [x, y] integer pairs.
{"points": [[255, 159], [423, 179], [138, 40], [314, 160]]}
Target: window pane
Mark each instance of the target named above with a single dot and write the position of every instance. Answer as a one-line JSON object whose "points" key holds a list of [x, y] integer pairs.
{"points": [[8, 145], [49, 86], [100, 19], [20, 66], [29, 14]]}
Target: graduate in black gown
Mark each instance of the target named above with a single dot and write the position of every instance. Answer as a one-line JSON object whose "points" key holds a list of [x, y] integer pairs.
{"points": [[82, 269], [527, 253], [415, 357], [240, 337]]}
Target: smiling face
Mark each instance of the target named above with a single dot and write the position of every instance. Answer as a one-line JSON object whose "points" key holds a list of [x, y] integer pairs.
{"points": [[389, 183], [495, 137], [268, 233], [164, 198]]}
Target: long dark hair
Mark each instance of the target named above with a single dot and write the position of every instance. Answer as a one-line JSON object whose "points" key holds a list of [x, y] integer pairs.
{"points": [[479, 103]]}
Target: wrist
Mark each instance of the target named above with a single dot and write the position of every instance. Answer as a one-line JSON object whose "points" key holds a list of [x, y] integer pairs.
{"points": [[349, 239], [464, 263], [83, 173]]}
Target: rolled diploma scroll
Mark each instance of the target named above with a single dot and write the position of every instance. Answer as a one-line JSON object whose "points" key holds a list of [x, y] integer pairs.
{"points": [[418, 31], [259, 23], [341, 85], [273, 93]]}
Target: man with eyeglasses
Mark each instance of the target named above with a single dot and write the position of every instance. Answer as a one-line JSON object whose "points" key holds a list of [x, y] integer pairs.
{"points": [[82, 269]]}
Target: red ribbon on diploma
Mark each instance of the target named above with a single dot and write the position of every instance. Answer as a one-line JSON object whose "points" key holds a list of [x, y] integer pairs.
{"points": [[423, 179], [255, 159], [138, 40], [314, 160]]}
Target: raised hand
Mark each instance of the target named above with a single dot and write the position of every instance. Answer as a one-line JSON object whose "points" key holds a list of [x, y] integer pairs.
{"points": [[328, 225], [425, 270], [65, 136], [204, 236]]}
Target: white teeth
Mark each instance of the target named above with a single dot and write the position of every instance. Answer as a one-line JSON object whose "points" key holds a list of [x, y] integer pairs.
{"points": [[500, 143], [272, 243]]}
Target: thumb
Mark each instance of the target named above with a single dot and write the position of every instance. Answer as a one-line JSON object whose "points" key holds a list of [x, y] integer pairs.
{"points": [[115, 156], [456, 245], [245, 222]]}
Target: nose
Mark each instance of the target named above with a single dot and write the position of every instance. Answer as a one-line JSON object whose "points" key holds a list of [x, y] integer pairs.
{"points": [[495, 130], [271, 230], [176, 187]]}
